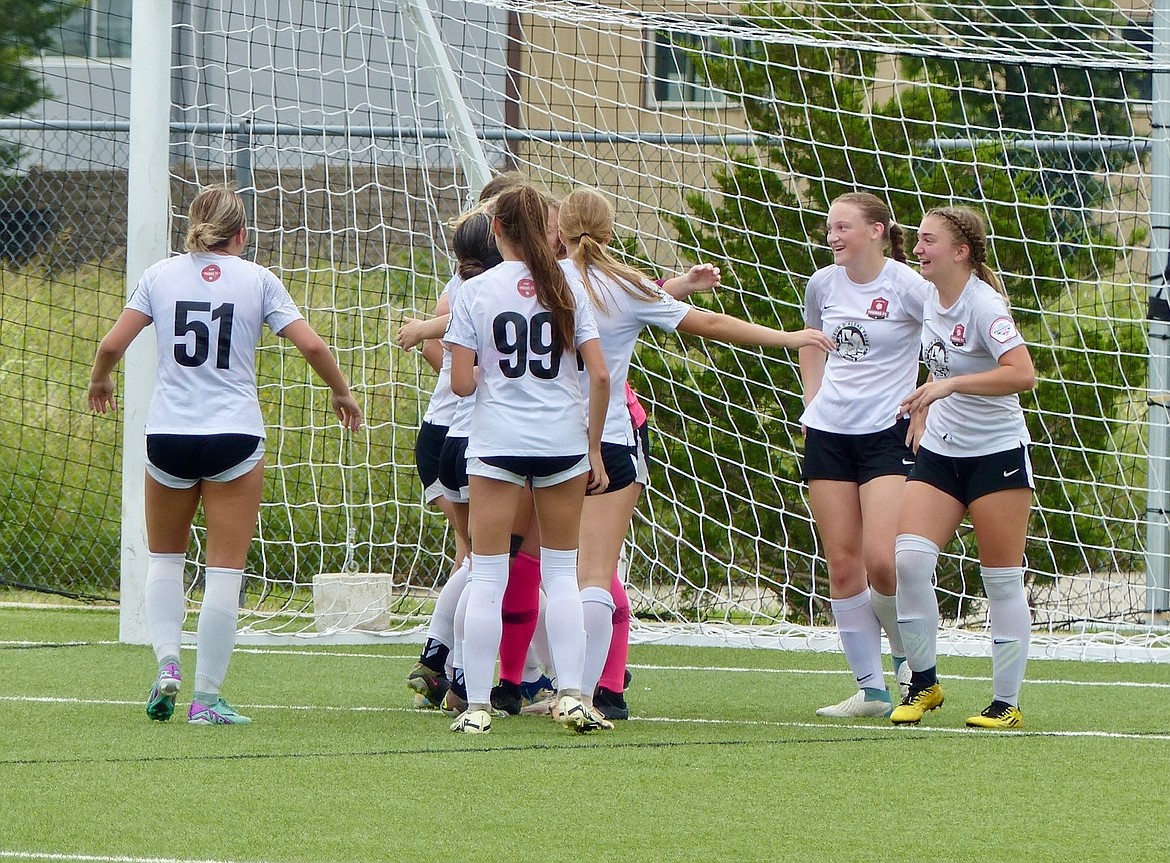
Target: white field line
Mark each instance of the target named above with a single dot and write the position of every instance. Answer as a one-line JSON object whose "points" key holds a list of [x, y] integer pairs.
{"points": [[745, 723], [98, 858], [713, 669], [17, 643]]}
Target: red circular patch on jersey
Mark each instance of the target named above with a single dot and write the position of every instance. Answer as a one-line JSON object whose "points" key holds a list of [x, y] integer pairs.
{"points": [[526, 288], [210, 273]]}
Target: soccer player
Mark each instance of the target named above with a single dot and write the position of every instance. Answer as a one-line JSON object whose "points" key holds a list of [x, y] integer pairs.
{"points": [[205, 434], [624, 302], [515, 335], [440, 454], [972, 460], [856, 455], [441, 656]]}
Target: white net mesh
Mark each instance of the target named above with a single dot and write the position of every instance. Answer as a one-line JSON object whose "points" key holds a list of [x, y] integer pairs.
{"points": [[722, 131]]}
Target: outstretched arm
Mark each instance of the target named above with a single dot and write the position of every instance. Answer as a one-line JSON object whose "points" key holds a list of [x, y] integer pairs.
{"points": [[725, 328], [700, 277], [415, 331]]}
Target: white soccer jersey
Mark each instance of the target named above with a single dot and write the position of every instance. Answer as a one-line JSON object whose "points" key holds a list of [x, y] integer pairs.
{"points": [[876, 328], [620, 319], [966, 339], [460, 425], [527, 400], [441, 408], [208, 310]]}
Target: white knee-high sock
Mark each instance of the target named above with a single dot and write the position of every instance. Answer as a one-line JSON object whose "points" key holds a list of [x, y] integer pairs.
{"points": [[442, 628], [483, 624], [1011, 629], [539, 656], [166, 604], [917, 604], [886, 609], [564, 621], [455, 657], [861, 637], [597, 608], [216, 636]]}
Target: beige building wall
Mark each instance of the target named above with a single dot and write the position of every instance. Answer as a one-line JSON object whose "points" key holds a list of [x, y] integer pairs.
{"points": [[595, 80]]}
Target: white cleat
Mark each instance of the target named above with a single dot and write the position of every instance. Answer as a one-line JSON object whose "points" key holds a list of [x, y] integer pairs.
{"points": [[903, 676], [473, 722], [856, 707], [571, 713]]}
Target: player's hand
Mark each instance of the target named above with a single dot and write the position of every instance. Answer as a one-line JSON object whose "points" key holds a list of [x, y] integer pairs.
{"points": [[348, 411], [101, 395], [810, 338], [915, 431], [408, 336], [918, 401], [598, 478], [701, 277]]}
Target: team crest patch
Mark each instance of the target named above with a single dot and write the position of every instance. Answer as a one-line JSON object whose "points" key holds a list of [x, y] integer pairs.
{"points": [[934, 357], [879, 309], [1003, 330], [959, 336], [852, 342], [210, 273], [526, 288]]}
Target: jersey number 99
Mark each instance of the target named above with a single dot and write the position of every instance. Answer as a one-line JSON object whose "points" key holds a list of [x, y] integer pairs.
{"points": [[526, 345]]}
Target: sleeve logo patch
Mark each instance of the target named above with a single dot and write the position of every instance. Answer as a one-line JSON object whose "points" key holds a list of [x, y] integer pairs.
{"points": [[1003, 330]]}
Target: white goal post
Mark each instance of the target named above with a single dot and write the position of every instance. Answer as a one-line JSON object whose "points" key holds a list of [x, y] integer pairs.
{"points": [[721, 130]]}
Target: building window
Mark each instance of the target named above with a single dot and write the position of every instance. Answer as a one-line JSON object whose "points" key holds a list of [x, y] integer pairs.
{"points": [[678, 73], [99, 30], [1140, 85]]}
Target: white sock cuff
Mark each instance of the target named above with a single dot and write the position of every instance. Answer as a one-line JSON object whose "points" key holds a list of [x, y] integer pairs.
{"points": [[1002, 582], [913, 542], [165, 556], [488, 567], [558, 557], [220, 571], [599, 595], [849, 603], [1001, 573]]}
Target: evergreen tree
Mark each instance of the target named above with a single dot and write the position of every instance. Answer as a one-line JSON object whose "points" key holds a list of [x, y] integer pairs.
{"points": [[836, 129]]}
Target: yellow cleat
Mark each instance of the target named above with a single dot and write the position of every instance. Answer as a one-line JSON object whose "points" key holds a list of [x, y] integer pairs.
{"points": [[999, 714], [915, 705]]}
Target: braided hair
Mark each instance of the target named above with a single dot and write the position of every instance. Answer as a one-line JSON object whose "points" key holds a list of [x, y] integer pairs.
{"points": [[968, 229]]}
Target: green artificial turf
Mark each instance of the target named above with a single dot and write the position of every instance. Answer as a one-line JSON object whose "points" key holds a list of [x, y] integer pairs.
{"points": [[723, 760]]}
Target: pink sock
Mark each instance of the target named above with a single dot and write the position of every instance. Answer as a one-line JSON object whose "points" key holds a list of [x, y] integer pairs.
{"points": [[613, 676], [521, 607]]}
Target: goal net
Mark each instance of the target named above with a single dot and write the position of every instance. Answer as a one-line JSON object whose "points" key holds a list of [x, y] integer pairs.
{"points": [[721, 131]]}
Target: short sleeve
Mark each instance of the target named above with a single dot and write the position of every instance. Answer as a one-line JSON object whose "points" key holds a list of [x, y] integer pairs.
{"points": [[140, 299], [279, 308], [916, 294], [460, 326], [997, 329], [813, 297], [665, 312], [585, 322]]}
